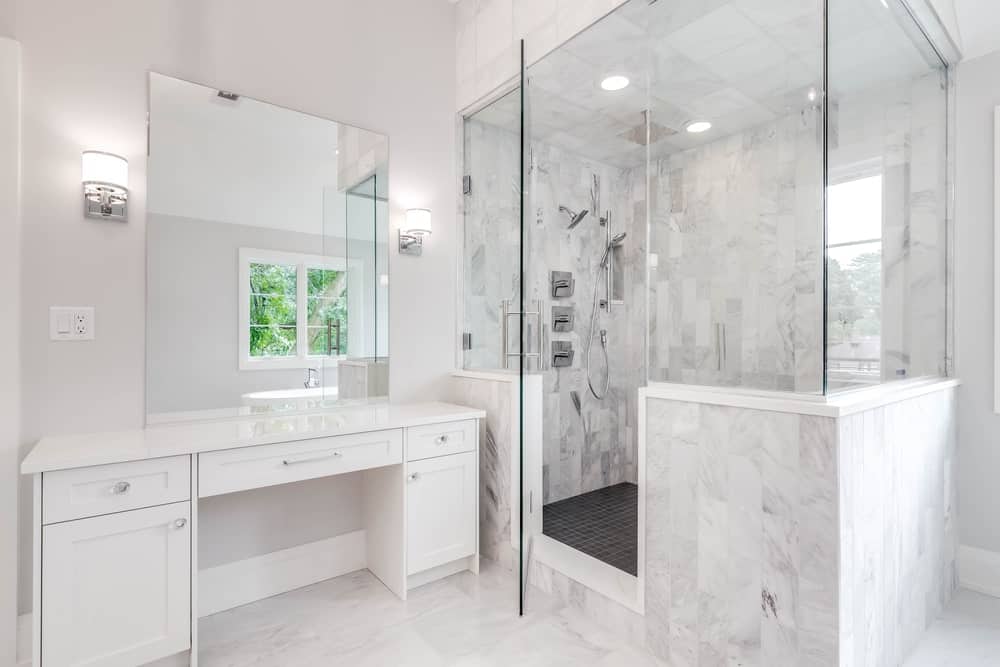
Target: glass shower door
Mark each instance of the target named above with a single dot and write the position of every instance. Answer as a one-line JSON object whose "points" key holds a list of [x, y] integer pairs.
{"points": [[491, 298]]}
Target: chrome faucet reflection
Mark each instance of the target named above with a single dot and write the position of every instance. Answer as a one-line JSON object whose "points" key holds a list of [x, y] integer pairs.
{"points": [[312, 378]]}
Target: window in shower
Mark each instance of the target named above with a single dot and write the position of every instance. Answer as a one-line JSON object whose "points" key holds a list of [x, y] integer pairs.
{"points": [[854, 281], [886, 198]]}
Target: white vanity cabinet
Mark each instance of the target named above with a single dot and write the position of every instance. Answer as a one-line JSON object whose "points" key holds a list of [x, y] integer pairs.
{"points": [[117, 587], [116, 518], [440, 510]]}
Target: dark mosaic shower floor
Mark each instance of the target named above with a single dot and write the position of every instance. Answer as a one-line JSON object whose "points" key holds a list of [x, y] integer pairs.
{"points": [[602, 523]]}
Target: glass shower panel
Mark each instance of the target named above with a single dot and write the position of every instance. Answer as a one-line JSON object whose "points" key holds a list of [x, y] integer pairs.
{"points": [[587, 132], [886, 219], [736, 201], [491, 259]]}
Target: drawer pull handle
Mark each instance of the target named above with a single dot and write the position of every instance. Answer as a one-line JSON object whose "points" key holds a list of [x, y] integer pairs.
{"points": [[180, 523], [121, 488], [441, 440], [414, 476], [311, 459]]}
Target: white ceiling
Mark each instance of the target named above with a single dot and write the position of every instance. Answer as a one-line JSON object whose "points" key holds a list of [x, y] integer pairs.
{"points": [[977, 23], [737, 63]]}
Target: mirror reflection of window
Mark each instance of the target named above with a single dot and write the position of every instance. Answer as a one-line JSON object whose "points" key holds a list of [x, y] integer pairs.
{"points": [[277, 330], [267, 245], [854, 275]]}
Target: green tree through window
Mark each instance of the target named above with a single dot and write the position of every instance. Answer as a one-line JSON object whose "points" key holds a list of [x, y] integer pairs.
{"points": [[276, 317]]}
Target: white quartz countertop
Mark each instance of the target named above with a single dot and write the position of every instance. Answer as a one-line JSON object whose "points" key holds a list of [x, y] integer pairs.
{"points": [[78, 451]]}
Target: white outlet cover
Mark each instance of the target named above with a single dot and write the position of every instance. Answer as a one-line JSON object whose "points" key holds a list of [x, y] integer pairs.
{"points": [[71, 323]]}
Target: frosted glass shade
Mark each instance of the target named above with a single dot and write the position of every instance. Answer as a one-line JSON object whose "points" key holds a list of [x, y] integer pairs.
{"points": [[418, 221], [101, 167]]}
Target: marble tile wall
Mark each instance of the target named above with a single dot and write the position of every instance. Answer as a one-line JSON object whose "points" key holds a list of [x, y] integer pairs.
{"points": [[488, 34], [783, 539], [736, 230], [741, 536], [495, 441], [596, 446], [898, 526]]}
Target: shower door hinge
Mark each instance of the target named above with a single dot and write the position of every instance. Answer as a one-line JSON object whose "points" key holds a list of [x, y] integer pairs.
{"points": [[467, 185], [466, 341]]}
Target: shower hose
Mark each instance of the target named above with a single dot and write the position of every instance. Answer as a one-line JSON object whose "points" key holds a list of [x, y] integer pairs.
{"points": [[604, 346]]}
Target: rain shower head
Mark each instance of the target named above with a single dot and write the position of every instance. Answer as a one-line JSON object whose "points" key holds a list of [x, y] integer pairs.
{"points": [[574, 218]]}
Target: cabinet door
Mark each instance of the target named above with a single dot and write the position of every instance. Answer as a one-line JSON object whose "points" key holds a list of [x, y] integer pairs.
{"points": [[440, 510], [116, 589]]}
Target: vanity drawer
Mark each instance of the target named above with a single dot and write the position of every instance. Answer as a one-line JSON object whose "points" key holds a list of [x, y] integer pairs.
{"points": [[85, 492], [424, 442], [267, 465]]}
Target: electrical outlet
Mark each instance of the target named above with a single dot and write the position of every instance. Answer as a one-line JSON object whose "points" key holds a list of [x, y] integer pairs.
{"points": [[67, 323]]}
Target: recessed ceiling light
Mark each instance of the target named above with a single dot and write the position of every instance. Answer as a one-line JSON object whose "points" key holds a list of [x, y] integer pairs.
{"points": [[697, 126], [614, 82]]}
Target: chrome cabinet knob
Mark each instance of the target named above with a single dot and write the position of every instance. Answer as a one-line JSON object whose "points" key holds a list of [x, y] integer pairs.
{"points": [[441, 439], [180, 523], [121, 488], [414, 477]]}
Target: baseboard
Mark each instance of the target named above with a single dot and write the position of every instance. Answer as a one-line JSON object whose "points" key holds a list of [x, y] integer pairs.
{"points": [[979, 570], [24, 640], [245, 581], [441, 571]]}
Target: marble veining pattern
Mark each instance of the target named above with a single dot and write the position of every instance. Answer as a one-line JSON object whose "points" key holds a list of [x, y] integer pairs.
{"points": [[741, 546], [495, 441], [898, 526], [736, 229], [596, 446], [786, 539], [461, 621]]}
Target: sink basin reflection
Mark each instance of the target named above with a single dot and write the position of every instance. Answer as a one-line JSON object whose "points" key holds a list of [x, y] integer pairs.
{"points": [[286, 396]]}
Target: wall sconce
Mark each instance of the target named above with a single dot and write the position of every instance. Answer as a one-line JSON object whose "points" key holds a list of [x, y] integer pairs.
{"points": [[411, 236], [105, 186]]}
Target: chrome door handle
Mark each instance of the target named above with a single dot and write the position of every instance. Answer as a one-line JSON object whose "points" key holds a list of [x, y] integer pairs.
{"points": [[180, 523], [121, 488], [311, 459], [441, 440]]}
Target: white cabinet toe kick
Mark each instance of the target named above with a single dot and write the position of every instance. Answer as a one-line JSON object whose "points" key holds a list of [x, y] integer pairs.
{"points": [[116, 516]]}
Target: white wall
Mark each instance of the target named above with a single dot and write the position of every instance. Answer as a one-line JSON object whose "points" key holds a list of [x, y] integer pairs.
{"points": [[978, 92], [383, 64], [10, 222]]}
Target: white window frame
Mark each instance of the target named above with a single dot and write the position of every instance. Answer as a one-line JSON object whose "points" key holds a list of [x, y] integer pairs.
{"points": [[302, 263]]}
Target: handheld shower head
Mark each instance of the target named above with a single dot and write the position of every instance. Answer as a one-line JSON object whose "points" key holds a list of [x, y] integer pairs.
{"points": [[616, 241], [574, 218]]}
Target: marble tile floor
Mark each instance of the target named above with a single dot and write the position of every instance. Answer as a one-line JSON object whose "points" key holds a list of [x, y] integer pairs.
{"points": [[966, 635], [461, 621]]}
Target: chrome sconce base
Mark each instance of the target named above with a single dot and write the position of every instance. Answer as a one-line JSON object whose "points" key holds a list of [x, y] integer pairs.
{"points": [[411, 244], [105, 201]]}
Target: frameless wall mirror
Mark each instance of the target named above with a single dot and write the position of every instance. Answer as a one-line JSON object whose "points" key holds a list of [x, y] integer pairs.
{"points": [[267, 257]]}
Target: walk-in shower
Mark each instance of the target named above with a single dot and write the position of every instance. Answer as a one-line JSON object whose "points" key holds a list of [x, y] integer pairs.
{"points": [[767, 212]]}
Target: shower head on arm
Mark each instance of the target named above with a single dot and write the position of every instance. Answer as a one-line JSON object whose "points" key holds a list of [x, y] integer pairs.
{"points": [[574, 218]]}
